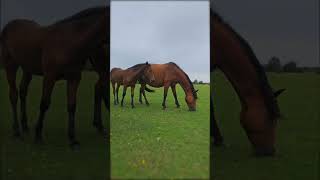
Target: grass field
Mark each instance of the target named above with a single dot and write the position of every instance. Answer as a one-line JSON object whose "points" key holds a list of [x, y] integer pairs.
{"points": [[54, 160], [150, 142]]}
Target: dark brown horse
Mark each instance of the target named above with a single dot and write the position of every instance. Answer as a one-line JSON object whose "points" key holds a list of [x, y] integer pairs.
{"points": [[168, 75], [58, 51], [116, 77], [129, 78], [233, 55]]}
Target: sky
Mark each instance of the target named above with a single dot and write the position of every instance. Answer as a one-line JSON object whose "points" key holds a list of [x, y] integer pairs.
{"points": [[179, 31], [43, 11], [161, 32], [288, 29]]}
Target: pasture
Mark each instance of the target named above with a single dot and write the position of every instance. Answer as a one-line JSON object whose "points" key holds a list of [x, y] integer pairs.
{"points": [[55, 159], [298, 132], [148, 142]]}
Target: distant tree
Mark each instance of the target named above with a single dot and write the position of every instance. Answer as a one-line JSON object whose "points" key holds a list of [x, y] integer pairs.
{"points": [[291, 67], [273, 65], [200, 82], [195, 81]]}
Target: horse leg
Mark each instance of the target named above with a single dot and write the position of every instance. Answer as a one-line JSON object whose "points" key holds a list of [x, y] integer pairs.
{"points": [[215, 134], [132, 96], [144, 95], [123, 93], [13, 94], [47, 87], [173, 88], [100, 93], [117, 91], [165, 92], [114, 93], [140, 94], [72, 87], [24, 84]]}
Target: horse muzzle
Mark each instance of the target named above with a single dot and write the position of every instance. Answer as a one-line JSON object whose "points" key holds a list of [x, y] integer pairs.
{"points": [[192, 109]]}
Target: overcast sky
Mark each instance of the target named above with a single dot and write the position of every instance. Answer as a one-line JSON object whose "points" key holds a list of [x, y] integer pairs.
{"points": [[288, 29], [160, 32], [178, 31]]}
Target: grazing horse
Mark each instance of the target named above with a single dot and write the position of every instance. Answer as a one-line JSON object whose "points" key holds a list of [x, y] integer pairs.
{"points": [[168, 75], [234, 56], [129, 78], [58, 51]]}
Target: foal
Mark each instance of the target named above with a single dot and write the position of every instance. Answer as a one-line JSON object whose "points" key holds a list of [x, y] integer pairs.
{"points": [[129, 78]]}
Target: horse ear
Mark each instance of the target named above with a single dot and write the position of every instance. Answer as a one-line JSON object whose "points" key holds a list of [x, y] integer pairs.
{"points": [[278, 92], [147, 63]]}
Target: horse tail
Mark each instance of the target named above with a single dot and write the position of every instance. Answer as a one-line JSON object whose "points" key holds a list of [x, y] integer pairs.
{"points": [[149, 90]]}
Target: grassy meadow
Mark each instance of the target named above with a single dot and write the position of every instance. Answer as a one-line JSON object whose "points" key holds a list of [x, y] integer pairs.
{"points": [[22, 159], [148, 142]]}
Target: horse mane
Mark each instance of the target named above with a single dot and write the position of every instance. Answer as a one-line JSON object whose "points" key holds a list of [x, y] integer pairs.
{"points": [[269, 98], [192, 87], [138, 67], [83, 14]]}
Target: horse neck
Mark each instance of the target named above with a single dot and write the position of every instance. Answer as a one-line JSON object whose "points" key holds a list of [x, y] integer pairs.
{"points": [[237, 66], [98, 30], [137, 73], [185, 83]]}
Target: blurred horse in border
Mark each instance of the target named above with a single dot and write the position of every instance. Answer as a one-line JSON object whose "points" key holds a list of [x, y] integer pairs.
{"points": [[58, 51], [234, 56]]}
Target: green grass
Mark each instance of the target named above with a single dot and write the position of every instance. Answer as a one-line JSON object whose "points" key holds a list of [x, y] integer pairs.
{"points": [[297, 133], [54, 160], [148, 142]]}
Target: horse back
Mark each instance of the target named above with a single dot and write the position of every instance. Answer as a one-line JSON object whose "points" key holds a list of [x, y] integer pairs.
{"points": [[116, 75], [23, 40]]}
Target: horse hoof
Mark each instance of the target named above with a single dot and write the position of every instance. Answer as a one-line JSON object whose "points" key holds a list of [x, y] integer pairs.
{"points": [[75, 146], [132, 107], [178, 106]]}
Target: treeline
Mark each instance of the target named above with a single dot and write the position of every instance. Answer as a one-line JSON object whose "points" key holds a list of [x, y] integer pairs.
{"points": [[274, 65], [199, 82]]}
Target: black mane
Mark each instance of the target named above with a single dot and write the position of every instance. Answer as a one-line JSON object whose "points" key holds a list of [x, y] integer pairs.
{"points": [[137, 66], [269, 98], [192, 87], [83, 14]]}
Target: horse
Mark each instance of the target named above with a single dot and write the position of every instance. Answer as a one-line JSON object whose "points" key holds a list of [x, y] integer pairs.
{"points": [[233, 55], [57, 52], [168, 75], [129, 78]]}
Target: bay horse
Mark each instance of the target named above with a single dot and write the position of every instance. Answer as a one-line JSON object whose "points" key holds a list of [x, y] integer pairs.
{"points": [[129, 78], [232, 54], [168, 75], [58, 51]]}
